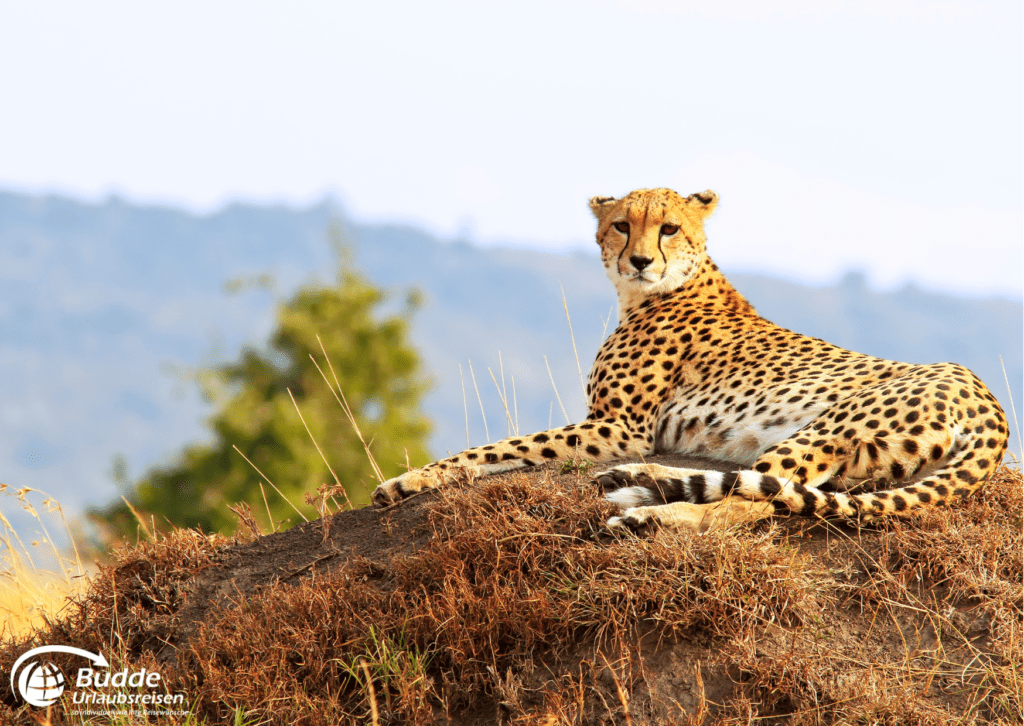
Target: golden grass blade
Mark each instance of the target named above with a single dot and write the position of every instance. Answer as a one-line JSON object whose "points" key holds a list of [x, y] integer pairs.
{"points": [[565, 305], [604, 330], [280, 493], [504, 392], [504, 401], [10, 528], [550, 375], [74, 545], [139, 519], [1013, 409], [374, 714], [12, 552], [343, 402], [318, 450], [487, 434], [270, 517], [515, 403], [465, 405], [620, 691]]}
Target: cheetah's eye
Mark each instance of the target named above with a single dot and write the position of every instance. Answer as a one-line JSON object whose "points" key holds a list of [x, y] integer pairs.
{"points": [[669, 229], [622, 227]]}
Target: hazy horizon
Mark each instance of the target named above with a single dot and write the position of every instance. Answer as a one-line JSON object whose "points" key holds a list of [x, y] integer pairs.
{"points": [[588, 246], [881, 135]]}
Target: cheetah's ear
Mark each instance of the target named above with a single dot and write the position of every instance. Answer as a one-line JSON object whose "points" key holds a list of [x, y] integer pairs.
{"points": [[705, 202], [600, 206]]}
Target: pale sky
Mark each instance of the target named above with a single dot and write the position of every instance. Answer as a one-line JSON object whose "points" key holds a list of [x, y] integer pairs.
{"points": [[882, 135]]}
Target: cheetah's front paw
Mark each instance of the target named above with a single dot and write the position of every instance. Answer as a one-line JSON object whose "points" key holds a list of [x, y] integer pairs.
{"points": [[402, 487], [626, 475]]}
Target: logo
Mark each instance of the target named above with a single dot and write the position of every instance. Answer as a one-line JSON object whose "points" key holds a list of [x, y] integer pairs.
{"points": [[96, 690], [42, 683]]}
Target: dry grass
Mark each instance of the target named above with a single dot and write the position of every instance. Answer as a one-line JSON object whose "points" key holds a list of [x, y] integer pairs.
{"points": [[934, 605], [36, 577], [514, 613]]}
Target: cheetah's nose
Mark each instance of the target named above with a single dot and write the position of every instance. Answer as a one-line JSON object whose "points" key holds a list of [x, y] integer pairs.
{"points": [[640, 262]]}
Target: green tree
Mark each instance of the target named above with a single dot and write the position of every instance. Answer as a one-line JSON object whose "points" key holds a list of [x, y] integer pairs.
{"points": [[380, 379]]}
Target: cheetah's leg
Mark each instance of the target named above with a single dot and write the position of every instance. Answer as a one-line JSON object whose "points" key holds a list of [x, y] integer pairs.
{"points": [[653, 496], [946, 430], [598, 441], [695, 517]]}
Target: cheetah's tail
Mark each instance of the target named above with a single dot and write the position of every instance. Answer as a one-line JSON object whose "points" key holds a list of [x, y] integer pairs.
{"points": [[972, 463], [965, 473]]}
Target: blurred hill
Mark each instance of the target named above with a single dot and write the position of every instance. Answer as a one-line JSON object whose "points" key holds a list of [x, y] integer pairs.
{"points": [[105, 307]]}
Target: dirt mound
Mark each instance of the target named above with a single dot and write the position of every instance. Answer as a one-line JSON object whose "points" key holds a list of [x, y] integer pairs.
{"points": [[496, 603]]}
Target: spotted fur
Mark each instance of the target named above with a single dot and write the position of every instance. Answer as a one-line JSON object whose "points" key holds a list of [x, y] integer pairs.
{"points": [[692, 368]]}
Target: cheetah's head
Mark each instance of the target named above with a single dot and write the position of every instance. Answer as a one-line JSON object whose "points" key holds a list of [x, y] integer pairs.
{"points": [[652, 240]]}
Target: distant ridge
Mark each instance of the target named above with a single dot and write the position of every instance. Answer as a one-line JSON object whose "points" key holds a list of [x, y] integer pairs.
{"points": [[99, 301]]}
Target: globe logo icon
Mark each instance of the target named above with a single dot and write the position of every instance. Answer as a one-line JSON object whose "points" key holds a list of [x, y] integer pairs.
{"points": [[41, 683]]}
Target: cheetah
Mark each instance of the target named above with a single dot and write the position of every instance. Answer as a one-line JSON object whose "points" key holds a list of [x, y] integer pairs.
{"points": [[692, 368]]}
